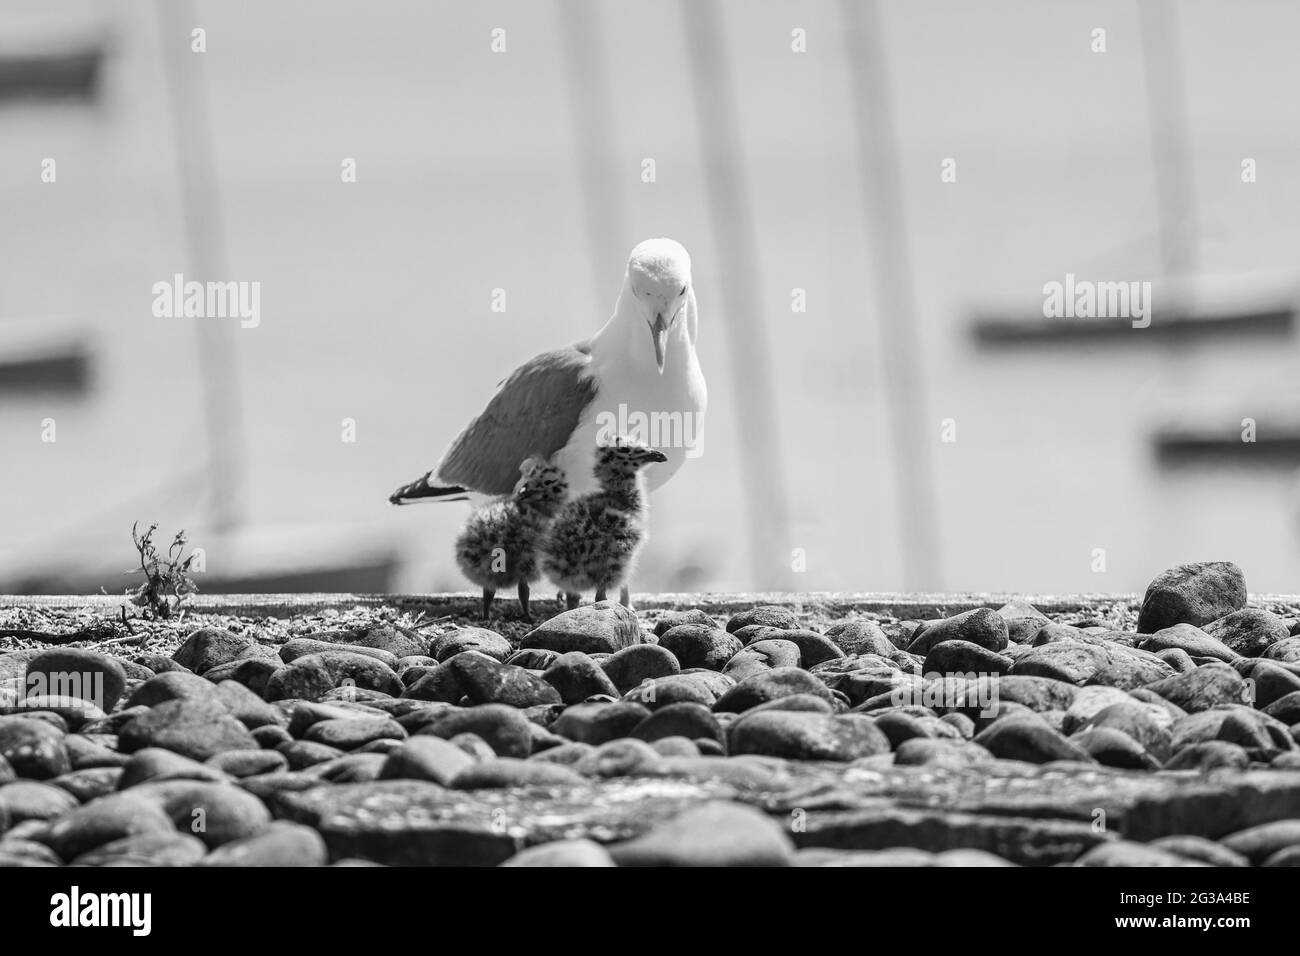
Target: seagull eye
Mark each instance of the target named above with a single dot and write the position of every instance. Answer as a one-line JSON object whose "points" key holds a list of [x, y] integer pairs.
{"points": [[683, 292]]}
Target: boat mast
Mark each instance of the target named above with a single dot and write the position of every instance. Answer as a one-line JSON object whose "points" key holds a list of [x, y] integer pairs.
{"points": [[205, 246]]}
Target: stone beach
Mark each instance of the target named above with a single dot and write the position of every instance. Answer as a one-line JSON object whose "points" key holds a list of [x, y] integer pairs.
{"points": [[1159, 732]]}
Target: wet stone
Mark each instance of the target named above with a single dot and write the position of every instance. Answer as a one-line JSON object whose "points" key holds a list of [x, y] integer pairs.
{"points": [[1192, 594], [633, 666]]}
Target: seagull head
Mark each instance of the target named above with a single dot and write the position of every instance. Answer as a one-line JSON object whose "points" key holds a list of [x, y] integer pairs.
{"points": [[541, 487], [659, 284], [619, 460]]}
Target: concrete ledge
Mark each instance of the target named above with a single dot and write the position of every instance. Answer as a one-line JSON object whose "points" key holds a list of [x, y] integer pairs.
{"points": [[842, 602], [894, 604]]}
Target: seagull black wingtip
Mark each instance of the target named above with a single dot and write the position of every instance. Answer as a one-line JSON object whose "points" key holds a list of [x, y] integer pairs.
{"points": [[422, 490]]}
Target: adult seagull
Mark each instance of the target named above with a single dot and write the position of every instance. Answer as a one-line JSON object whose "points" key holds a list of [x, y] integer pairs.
{"points": [[638, 377]]}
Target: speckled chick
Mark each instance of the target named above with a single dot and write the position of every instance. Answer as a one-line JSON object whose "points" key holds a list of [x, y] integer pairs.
{"points": [[593, 541], [499, 546]]}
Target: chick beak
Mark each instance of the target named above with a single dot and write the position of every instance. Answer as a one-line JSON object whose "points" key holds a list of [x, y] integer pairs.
{"points": [[659, 332], [656, 455]]}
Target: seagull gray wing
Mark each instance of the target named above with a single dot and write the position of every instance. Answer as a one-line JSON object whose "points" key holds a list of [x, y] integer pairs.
{"points": [[534, 412]]}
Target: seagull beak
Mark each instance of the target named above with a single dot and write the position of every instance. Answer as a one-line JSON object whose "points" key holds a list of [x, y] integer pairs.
{"points": [[659, 332]]}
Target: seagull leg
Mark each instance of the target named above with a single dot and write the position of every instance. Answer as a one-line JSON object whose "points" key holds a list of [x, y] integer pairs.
{"points": [[600, 594], [625, 596], [488, 595], [523, 601], [572, 598]]}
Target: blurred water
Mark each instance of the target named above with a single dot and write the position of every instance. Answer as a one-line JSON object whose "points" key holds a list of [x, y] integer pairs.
{"points": [[375, 296]]}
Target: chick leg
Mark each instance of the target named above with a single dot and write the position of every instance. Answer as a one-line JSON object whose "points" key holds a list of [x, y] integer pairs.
{"points": [[523, 601], [571, 599], [488, 595], [600, 594], [625, 596]]}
